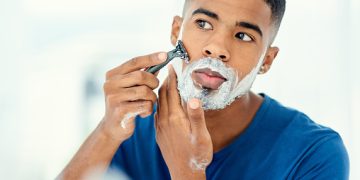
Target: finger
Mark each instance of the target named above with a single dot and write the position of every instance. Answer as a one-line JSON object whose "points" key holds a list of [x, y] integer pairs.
{"points": [[131, 94], [196, 117], [156, 73], [135, 107], [146, 109], [138, 63], [136, 78], [162, 111], [140, 93], [173, 97]]}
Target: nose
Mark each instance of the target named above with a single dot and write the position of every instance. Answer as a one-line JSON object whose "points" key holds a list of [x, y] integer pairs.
{"points": [[216, 50]]}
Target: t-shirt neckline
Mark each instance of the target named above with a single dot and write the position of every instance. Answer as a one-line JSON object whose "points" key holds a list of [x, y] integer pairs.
{"points": [[248, 131]]}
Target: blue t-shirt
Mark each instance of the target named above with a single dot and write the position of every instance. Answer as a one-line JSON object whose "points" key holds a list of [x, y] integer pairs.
{"points": [[280, 143]]}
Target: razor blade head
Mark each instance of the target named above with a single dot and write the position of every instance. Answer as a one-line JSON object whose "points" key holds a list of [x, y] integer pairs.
{"points": [[181, 51]]}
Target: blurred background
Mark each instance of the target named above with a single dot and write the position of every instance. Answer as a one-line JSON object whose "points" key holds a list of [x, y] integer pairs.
{"points": [[54, 55]]}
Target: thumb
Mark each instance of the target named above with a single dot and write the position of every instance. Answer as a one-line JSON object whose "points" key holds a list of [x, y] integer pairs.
{"points": [[196, 116]]}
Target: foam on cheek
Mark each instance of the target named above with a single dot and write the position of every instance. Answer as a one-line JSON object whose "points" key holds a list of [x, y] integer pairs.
{"points": [[227, 92], [245, 84], [212, 99]]}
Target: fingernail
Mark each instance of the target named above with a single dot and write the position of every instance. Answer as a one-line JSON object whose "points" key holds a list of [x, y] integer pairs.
{"points": [[194, 104], [162, 56]]}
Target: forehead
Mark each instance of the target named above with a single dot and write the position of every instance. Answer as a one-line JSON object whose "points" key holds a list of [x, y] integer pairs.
{"points": [[231, 11]]}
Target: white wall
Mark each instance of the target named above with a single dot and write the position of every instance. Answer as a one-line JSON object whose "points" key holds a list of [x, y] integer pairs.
{"points": [[50, 49]]}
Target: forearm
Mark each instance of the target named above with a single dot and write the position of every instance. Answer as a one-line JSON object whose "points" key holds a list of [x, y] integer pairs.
{"points": [[188, 175], [95, 154]]}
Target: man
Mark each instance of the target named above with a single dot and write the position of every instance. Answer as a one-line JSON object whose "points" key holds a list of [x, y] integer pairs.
{"points": [[207, 124]]}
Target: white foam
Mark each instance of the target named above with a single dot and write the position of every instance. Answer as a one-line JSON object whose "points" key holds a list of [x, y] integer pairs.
{"points": [[233, 88], [126, 120], [199, 165]]}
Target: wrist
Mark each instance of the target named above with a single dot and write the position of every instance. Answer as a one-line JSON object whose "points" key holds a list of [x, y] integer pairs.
{"points": [[197, 176], [189, 174], [107, 135]]}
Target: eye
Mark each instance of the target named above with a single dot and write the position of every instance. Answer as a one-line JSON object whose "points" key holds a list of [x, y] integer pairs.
{"points": [[243, 37], [202, 24]]}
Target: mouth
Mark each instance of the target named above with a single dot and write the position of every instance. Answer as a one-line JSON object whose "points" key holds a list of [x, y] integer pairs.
{"points": [[207, 79]]}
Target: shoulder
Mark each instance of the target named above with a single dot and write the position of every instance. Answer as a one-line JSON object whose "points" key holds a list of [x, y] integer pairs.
{"points": [[317, 151], [326, 159], [293, 123]]}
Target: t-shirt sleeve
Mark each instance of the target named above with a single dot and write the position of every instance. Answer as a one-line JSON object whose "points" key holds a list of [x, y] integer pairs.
{"points": [[329, 160]]}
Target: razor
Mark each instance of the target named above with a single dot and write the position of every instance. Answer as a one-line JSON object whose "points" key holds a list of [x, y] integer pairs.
{"points": [[179, 51]]}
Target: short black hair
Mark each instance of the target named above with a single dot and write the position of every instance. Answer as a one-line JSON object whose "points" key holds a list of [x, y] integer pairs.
{"points": [[277, 10]]}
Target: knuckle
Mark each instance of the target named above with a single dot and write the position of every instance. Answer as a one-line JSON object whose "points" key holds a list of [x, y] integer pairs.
{"points": [[156, 82], [134, 61], [195, 116], [108, 74], [180, 116], [106, 87], [132, 92], [173, 118], [140, 76], [154, 58], [126, 77], [147, 104], [149, 109], [111, 100], [144, 90], [153, 97]]}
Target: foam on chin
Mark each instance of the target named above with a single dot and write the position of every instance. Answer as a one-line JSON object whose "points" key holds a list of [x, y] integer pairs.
{"points": [[227, 92]]}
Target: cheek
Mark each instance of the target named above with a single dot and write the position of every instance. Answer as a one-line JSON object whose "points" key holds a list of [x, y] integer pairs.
{"points": [[244, 61], [193, 48], [194, 42]]}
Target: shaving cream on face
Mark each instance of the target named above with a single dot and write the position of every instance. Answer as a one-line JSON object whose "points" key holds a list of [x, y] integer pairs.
{"points": [[231, 89]]}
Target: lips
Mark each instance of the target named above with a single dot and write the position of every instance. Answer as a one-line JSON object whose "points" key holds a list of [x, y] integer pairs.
{"points": [[205, 78]]}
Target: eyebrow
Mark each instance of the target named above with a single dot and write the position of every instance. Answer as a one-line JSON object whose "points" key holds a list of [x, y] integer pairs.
{"points": [[240, 24], [206, 12], [250, 26]]}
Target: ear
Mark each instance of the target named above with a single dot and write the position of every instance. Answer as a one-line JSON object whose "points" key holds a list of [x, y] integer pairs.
{"points": [[175, 29], [269, 58]]}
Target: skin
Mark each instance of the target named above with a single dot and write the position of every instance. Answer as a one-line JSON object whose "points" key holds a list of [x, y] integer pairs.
{"points": [[240, 54], [127, 89], [184, 132]]}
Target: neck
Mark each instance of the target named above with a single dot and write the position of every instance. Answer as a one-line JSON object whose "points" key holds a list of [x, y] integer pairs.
{"points": [[227, 124]]}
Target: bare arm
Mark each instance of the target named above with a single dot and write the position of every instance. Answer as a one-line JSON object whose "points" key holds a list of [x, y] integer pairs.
{"points": [[128, 93], [95, 154]]}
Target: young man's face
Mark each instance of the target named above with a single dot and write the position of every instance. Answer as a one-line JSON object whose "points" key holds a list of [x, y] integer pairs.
{"points": [[235, 32]]}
